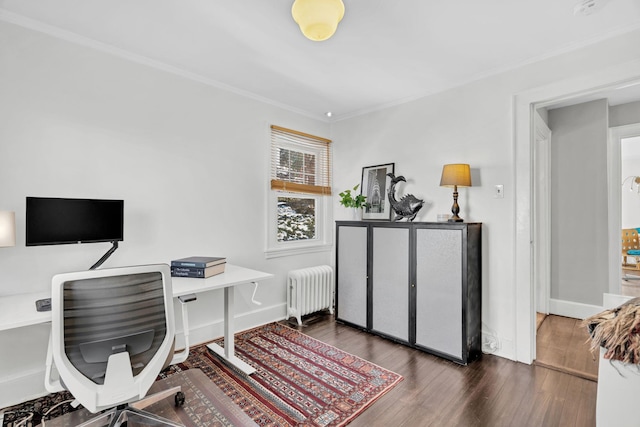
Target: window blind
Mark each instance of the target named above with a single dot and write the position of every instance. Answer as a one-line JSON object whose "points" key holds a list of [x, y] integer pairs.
{"points": [[300, 163]]}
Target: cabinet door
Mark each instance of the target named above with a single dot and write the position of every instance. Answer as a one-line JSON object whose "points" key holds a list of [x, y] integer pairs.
{"points": [[352, 275], [439, 290], [390, 282]]}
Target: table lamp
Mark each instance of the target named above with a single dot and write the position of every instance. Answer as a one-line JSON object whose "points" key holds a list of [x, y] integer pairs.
{"points": [[7, 229], [455, 175]]}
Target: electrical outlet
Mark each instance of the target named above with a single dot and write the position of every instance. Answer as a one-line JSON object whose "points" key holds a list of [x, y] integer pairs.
{"points": [[499, 192]]}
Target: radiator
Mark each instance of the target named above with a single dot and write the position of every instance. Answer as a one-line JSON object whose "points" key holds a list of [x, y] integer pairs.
{"points": [[309, 290]]}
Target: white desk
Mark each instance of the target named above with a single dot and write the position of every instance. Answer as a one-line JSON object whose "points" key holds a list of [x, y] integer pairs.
{"points": [[232, 276], [20, 310]]}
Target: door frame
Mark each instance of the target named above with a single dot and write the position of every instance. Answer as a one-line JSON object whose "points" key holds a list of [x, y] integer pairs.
{"points": [[525, 104], [542, 209]]}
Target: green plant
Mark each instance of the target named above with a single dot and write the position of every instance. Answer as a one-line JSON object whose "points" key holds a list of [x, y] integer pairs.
{"points": [[350, 201]]}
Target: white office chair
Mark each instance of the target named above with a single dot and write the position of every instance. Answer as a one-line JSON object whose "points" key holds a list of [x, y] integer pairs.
{"points": [[112, 332]]}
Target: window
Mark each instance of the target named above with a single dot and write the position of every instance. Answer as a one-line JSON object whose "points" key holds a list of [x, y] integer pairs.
{"points": [[300, 190]]}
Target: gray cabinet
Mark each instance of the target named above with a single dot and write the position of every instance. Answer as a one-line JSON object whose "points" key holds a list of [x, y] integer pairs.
{"points": [[353, 298], [415, 283], [390, 267]]}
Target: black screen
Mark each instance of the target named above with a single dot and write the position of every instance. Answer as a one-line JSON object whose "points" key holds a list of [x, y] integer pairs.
{"points": [[55, 221]]}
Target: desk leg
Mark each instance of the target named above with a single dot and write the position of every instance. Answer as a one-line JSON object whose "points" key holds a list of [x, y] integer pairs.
{"points": [[228, 352], [229, 342]]}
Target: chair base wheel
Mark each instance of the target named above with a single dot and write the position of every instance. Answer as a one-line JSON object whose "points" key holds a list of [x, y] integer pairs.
{"points": [[179, 398]]}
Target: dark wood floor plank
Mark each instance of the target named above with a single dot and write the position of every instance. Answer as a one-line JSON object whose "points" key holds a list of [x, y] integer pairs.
{"points": [[490, 392]]}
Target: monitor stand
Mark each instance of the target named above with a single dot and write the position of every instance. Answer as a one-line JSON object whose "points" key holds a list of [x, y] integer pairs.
{"points": [[105, 256], [45, 303]]}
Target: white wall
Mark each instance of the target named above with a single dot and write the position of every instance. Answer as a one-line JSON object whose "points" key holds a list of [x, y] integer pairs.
{"points": [[579, 203], [189, 160], [473, 124], [624, 114]]}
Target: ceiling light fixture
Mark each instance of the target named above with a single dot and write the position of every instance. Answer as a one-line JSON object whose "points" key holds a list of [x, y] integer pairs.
{"points": [[587, 7], [318, 19]]}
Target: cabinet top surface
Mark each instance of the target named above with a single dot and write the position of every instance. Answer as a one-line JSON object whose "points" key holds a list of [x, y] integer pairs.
{"points": [[399, 224]]}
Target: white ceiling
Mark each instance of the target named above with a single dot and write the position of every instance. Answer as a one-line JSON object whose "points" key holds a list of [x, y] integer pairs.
{"points": [[384, 52]]}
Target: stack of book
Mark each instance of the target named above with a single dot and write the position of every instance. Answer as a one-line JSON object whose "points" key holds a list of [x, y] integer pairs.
{"points": [[198, 266]]}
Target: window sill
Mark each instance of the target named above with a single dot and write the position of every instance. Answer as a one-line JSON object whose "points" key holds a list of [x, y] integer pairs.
{"points": [[297, 250]]}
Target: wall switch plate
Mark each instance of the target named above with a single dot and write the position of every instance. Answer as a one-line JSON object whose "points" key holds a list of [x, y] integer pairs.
{"points": [[499, 192]]}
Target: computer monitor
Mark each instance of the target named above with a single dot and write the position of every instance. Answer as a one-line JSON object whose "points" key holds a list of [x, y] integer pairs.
{"points": [[59, 221]]}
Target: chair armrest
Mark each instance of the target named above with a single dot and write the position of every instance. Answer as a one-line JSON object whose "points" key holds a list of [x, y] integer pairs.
{"points": [[182, 355], [52, 385]]}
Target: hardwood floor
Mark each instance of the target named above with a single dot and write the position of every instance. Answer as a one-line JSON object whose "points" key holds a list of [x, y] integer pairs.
{"points": [[561, 344], [539, 319], [490, 392]]}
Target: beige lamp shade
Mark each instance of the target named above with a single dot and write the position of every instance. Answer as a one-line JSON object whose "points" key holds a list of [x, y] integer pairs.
{"points": [[318, 19], [458, 174], [7, 228]]}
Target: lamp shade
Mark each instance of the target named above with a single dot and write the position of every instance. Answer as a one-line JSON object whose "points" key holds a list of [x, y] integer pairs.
{"points": [[318, 19], [7, 228], [456, 175]]}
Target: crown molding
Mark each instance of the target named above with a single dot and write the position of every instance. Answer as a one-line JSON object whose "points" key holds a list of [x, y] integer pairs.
{"points": [[571, 47], [53, 31]]}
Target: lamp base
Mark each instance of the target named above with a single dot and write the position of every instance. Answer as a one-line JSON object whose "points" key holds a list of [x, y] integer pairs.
{"points": [[455, 209]]}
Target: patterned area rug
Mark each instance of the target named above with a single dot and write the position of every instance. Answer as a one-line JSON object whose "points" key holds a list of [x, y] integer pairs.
{"points": [[299, 381], [321, 385]]}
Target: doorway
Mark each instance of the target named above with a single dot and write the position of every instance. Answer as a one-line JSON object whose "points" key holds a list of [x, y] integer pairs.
{"points": [[526, 103], [624, 145], [570, 226], [581, 214], [561, 341]]}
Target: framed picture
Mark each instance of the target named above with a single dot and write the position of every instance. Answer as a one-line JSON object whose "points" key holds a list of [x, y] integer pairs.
{"points": [[375, 183]]}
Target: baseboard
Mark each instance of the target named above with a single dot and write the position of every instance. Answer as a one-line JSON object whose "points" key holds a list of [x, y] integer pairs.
{"points": [[208, 332], [572, 309], [500, 347]]}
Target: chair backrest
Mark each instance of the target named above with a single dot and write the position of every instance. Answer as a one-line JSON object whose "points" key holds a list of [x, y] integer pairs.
{"points": [[112, 332], [629, 240]]}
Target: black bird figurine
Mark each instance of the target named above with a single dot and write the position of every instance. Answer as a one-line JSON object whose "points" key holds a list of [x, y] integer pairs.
{"points": [[408, 206]]}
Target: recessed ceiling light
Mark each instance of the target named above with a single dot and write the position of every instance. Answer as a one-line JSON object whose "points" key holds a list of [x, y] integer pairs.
{"points": [[587, 7], [328, 114]]}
